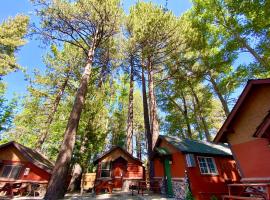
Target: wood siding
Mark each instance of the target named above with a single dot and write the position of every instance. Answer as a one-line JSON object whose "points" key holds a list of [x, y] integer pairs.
{"points": [[11, 156], [253, 159], [205, 186], [251, 152], [202, 186], [133, 169], [255, 107]]}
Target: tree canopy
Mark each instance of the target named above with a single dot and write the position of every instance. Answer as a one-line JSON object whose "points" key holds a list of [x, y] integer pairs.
{"points": [[115, 78]]}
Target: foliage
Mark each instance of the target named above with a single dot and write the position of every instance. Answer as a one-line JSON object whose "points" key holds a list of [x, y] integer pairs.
{"points": [[12, 32], [189, 195], [191, 62]]}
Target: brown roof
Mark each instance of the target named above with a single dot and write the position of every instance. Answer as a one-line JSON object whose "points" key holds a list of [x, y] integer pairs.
{"points": [[113, 149], [32, 156], [220, 137]]}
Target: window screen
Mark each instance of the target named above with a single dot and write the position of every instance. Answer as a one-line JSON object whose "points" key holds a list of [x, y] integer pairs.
{"points": [[207, 165], [11, 171], [105, 169]]}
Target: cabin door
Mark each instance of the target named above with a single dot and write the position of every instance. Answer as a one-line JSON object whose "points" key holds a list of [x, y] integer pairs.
{"points": [[119, 170], [168, 177]]}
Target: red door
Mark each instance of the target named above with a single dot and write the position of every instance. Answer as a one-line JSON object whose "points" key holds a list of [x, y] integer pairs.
{"points": [[119, 168]]}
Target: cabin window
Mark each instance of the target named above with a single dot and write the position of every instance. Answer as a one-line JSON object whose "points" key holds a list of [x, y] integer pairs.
{"points": [[207, 165], [190, 160], [105, 169], [11, 171]]}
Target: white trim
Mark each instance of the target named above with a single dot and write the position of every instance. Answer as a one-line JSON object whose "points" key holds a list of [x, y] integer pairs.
{"points": [[214, 162]]}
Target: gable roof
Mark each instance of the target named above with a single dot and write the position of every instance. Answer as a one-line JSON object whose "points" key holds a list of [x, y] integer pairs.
{"points": [[225, 127], [262, 129], [195, 146], [113, 149], [32, 156]]}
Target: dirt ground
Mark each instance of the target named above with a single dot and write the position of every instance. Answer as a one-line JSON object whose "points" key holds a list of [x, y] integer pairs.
{"points": [[116, 196]]}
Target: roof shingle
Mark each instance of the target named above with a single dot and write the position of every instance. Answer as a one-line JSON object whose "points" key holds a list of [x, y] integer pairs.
{"points": [[195, 146]]}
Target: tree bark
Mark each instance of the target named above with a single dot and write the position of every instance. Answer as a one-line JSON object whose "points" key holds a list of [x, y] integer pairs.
{"points": [[58, 182], [200, 113], [139, 145], [198, 125], [147, 127], [152, 104], [49, 121], [184, 112], [129, 143], [220, 96]]}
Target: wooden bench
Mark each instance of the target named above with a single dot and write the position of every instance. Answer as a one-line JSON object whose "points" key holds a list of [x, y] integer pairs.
{"points": [[104, 185]]}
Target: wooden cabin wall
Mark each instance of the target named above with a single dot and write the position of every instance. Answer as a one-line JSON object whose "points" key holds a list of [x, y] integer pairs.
{"points": [[178, 162], [205, 186], [134, 168], [10, 155], [202, 186], [247, 149]]}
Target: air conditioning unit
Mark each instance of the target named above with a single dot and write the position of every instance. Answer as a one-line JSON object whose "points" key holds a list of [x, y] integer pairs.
{"points": [[190, 160]]}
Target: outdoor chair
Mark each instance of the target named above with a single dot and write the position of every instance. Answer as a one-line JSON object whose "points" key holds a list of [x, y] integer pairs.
{"points": [[21, 189], [2, 186], [38, 189]]}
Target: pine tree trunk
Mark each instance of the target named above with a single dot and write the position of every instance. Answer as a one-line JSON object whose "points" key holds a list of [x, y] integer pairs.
{"points": [[130, 109], [220, 96], [49, 121], [198, 125], [147, 127], [200, 113], [58, 182], [139, 145], [185, 112], [153, 105]]}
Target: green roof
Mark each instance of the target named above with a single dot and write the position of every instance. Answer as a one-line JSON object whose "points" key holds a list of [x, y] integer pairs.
{"points": [[195, 146], [162, 151]]}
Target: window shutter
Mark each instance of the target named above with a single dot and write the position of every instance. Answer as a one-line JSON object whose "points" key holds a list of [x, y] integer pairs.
{"points": [[190, 159]]}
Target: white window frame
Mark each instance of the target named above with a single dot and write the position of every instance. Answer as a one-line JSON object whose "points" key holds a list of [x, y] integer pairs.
{"points": [[105, 169], [208, 168], [12, 167]]}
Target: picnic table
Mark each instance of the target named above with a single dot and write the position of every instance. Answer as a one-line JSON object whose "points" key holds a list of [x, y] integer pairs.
{"points": [[22, 188], [141, 186], [248, 190]]}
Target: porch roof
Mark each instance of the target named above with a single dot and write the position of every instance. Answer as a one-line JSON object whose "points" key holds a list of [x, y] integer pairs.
{"points": [[195, 146]]}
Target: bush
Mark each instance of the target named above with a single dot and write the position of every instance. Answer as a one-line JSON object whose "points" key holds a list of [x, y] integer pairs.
{"points": [[213, 197]]}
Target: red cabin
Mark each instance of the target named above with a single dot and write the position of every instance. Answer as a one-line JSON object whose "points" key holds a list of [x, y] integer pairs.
{"points": [[206, 166], [247, 130], [117, 169], [20, 163]]}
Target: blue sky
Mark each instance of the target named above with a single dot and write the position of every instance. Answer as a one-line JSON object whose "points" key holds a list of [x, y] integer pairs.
{"points": [[30, 55]]}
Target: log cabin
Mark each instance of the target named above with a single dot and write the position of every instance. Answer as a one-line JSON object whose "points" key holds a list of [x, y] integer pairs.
{"points": [[247, 130], [20, 163], [207, 167], [117, 169]]}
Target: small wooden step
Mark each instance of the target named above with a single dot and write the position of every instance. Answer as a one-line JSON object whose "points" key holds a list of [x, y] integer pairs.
{"points": [[239, 197]]}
